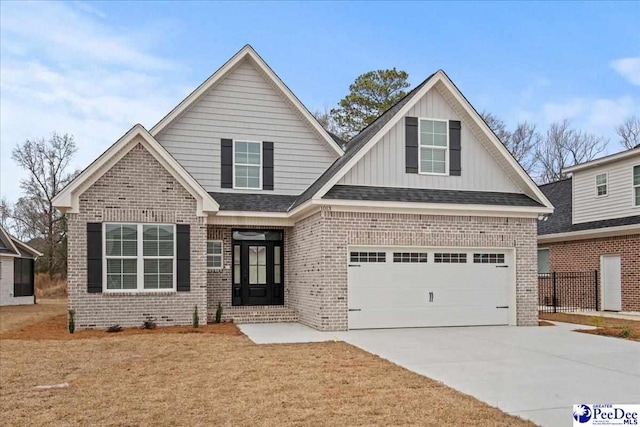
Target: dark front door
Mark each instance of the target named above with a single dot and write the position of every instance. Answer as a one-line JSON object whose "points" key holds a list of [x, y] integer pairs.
{"points": [[257, 268]]}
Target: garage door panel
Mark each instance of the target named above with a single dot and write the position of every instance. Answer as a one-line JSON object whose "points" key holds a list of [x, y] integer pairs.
{"points": [[414, 294]]}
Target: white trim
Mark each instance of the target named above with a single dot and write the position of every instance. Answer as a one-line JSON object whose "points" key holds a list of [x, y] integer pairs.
{"points": [[602, 160], [441, 77], [221, 254], [246, 52], [140, 289], [9, 240], [606, 184], [247, 164], [27, 248], [590, 234], [634, 187], [445, 148], [68, 199]]}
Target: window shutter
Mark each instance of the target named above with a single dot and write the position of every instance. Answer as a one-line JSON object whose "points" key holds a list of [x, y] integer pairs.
{"points": [[411, 144], [455, 148], [267, 165], [226, 164], [183, 258], [94, 257]]}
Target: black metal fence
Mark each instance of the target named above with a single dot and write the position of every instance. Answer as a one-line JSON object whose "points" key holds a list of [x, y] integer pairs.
{"points": [[567, 291]]}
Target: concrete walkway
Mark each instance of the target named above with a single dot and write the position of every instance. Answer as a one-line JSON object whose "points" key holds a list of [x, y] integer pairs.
{"points": [[537, 373]]}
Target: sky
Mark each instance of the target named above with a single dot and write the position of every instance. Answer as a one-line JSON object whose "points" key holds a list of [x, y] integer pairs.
{"points": [[94, 69]]}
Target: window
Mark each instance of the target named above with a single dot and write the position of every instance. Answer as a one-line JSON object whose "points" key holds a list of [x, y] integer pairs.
{"points": [[214, 254], [636, 185], [368, 257], [22, 277], [601, 184], [543, 261], [434, 144], [139, 257], [447, 258], [409, 257], [488, 258], [247, 165]]}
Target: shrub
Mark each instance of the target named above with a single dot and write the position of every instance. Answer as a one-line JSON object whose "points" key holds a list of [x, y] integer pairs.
{"points": [[219, 313], [114, 328], [597, 321], [626, 332], [196, 318], [149, 323], [72, 321]]}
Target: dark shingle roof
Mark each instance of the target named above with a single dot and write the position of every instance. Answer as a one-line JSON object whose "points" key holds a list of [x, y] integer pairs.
{"points": [[560, 195], [417, 195], [253, 202], [356, 143]]}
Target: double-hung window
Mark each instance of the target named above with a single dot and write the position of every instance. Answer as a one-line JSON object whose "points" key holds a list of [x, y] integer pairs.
{"points": [[139, 257], [434, 147], [601, 184], [214, 254], [636, 185], [247, 165]]}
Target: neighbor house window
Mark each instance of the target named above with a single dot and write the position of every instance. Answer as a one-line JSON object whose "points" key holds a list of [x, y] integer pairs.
{"points": [[636, 185], [139, 257], [543, 261], [214, 254], [434, 144], [601, 184], [247, 165]]}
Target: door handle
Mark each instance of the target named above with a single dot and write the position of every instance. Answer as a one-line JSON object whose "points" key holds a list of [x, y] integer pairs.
{"points": [[430, 296], [502, 306], [354, 265], [502, 266]]}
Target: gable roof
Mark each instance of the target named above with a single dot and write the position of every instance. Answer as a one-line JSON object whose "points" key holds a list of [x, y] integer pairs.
{"points": [[9, 245], [68, 198], [373, 133], [247, 52], [635, 151], [561, 195]]}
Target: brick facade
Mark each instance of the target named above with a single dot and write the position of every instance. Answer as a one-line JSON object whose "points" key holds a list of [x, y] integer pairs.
{"points": [[584, 255], [137, 189]]}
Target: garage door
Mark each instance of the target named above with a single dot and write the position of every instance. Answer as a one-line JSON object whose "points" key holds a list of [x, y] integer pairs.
{"points": [[409, 287]]}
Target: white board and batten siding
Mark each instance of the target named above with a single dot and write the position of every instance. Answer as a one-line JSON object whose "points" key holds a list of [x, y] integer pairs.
{"points": [[384, 164], [6, 284], [618, 203], [245, 106]]}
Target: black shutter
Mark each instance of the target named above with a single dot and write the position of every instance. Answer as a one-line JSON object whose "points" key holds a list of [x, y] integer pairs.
{"points": [[183, 258], [267, 165], [94, 257], [455, 148], [411, 144], [226, 164]]}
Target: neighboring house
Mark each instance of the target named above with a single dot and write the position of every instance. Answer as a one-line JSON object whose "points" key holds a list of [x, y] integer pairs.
{"points": [[16, 270], [596, 226], [239, 197]]}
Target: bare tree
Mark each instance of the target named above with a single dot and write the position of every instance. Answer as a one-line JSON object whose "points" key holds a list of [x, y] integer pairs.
{"points": [[34, 215], [326, 120], [562, 147], [497, 126], [629, 132], [5, 213], [520, 143]]}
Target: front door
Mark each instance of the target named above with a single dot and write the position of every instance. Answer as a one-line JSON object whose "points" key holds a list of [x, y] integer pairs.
{"points": [[611, 283], [257, 268]]}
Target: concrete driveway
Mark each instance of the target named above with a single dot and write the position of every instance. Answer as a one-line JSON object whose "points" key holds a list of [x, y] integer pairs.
{"points": [[537, 373]]}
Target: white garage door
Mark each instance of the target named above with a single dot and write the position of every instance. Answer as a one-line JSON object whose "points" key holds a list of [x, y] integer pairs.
{"points": [[410, 287]]}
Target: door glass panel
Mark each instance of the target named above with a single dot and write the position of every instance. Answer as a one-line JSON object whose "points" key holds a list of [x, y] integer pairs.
{"points": [[276, 265], [257, 235], [236, 264], [257, 265]]}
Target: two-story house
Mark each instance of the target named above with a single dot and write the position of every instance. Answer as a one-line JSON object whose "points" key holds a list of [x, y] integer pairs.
{"points": [[596, 227], [239, 197]]}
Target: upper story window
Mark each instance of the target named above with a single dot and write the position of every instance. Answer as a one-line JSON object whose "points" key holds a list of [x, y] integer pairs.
{"points": [[247, 165], [636, 185], [434, 147], [601, 184]]}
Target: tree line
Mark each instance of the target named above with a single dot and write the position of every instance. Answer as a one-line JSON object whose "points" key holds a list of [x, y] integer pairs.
{"points": [[542, 153]]}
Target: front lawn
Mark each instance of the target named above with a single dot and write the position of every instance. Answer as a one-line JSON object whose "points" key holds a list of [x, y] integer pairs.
{"points": [[612, 327], [168, 377]]}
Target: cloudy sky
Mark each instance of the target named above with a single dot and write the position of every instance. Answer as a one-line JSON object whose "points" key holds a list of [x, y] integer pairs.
{"points": [[94, 69]]}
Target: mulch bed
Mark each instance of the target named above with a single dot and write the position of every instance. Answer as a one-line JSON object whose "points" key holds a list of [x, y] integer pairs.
{"points": [[55, 328]]}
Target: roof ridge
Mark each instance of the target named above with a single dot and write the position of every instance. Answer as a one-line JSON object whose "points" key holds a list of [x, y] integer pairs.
{"points": [[556, 182]]}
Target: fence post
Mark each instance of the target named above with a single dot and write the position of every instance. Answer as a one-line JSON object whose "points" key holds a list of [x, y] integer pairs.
{"points": [[595, 281], [553, 276]]}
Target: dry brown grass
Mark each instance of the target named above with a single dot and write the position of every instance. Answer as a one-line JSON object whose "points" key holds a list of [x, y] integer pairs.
{"points": [[608, 326], [47, 286], [18, 316], [165, 378]]}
